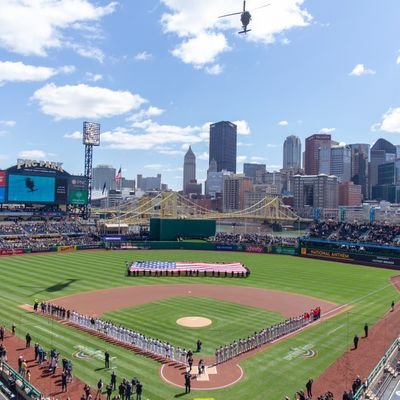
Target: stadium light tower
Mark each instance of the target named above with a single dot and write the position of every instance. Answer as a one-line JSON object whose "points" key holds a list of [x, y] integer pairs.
{"points": [[91, 137]]}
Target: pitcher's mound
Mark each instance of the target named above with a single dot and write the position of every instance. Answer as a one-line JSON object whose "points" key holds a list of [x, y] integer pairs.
{"points": [[194, 322]]}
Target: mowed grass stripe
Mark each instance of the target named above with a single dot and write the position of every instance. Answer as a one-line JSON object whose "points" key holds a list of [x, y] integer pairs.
{"points": [[266, 375]]}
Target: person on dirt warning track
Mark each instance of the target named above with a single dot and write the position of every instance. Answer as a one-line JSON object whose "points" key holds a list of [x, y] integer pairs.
{"points": [[355, 342], [366, 330]]}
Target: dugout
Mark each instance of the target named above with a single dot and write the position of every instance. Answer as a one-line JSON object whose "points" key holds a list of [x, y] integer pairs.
{"points": [[162, 229]]}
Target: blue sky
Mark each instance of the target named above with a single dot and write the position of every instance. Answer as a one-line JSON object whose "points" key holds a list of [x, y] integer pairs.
{"points": [[155, 73]]}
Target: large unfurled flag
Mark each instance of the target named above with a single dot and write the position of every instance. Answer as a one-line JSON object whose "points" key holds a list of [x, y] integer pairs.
{"points": [[104, 188], [118, 177]]}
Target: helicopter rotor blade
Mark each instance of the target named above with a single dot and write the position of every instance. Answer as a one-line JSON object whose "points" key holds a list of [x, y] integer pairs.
{"points": [[265, 5], [228, 15], [244, 5]]}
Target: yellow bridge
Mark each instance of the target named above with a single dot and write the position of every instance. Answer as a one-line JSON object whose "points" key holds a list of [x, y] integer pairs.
{"points": [[174, 205]]}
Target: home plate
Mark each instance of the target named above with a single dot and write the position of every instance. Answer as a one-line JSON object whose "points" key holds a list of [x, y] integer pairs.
{"points": [[204, 377]]}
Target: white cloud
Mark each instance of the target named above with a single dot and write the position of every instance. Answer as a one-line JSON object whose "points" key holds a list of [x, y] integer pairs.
{"points": [[241, 159], [32, 154], [145, 114], [391, 121], [152, 135], [91, 77], [271, 146], [195, 21], [77, 135], [283, 123], [87, 51], [20, 72], [34, 27], [360, 69], [83, 101], [327, 130], [67, 69], [201, 49], [398, 60], [8, 123], [215, 69], [243, 127], [143, 56], [204, 156]]}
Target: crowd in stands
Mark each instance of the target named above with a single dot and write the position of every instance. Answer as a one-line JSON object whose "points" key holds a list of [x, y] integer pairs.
{"points": [[264, 239], [43, 235], [383, 235]]}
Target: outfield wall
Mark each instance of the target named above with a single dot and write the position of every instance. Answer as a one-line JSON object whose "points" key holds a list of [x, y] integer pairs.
{"points": [[375, 260]]}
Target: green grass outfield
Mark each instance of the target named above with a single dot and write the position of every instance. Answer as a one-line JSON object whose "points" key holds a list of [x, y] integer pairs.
{"points": [[268, 375]]}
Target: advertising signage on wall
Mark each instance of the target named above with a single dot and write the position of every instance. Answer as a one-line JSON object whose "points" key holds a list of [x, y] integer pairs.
{"points": [[360, 258], [78, 191]]}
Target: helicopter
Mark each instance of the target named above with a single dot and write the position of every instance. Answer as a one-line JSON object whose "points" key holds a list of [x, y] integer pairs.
{"points": [[245, 16]]}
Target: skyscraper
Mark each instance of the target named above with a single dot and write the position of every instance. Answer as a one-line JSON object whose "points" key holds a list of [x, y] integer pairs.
{"points": [[312, 152], [359, 166], [223, 145], [189, 169], [317, 191], [104, 174], [341, 163], [292, 153], [381, 151], [254, 171]]}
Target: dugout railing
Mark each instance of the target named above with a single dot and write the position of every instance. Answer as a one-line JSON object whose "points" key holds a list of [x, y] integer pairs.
{"points": [[24, 388], [373, 383]]}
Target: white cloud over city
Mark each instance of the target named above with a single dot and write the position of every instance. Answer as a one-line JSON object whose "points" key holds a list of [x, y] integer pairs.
{"points": [[391, 121], [83, 101], [203, 36]]}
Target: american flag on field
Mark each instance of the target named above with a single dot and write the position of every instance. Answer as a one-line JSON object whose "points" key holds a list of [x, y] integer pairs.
{"points": [[186, 266]]}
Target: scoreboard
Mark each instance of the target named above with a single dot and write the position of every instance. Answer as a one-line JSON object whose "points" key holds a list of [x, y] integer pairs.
{"points": [[42, 184]]}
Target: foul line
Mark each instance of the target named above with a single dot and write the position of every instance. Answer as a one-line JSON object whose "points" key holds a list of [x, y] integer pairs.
{"points": [[336, 329]]}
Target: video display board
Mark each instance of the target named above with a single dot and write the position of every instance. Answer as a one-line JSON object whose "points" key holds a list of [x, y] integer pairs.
{"points": [[2, 195], [31, 189], [78, 191], [91, 133], [61, 191]]}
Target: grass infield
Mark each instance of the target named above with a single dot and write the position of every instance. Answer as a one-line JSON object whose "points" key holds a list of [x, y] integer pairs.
{"points": [[280, 370]]}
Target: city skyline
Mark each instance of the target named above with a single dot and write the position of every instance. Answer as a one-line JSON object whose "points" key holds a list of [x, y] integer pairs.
{"points": [[313, 73]]}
